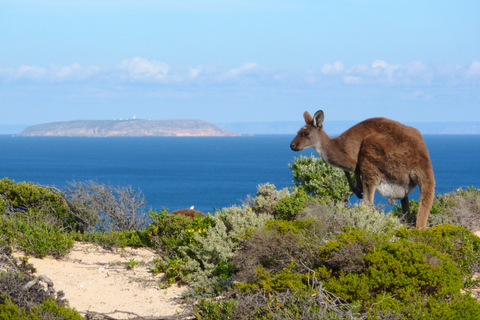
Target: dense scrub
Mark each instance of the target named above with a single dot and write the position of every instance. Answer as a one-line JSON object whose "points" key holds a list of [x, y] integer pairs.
{"points": [[284, 254]]}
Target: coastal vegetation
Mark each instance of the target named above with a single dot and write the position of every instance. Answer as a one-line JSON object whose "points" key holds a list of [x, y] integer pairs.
{"points": [[298, 253]]}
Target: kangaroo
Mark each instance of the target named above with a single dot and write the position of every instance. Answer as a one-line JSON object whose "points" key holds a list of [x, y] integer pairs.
{"points": [[389, 157]]}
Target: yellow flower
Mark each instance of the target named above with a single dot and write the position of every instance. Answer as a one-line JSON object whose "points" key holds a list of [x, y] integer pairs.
{"points": [[249, 209], [199, 230], [204, 230]]}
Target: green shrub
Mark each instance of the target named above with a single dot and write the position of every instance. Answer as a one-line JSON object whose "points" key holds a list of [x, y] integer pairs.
{"points": [[302, 298], [288, 207], [274, 246], [220, 242], [170, 232], [47, 310], [205, 261], [34, 203], [320, 179], [266, 198], [38, 239], [457, 242], [405, 274], [121, 239]]}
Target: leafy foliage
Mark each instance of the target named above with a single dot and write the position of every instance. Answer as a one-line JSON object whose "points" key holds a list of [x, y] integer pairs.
{"points": [[266, 197], [220, 243], [170, 232], [288, 207], [37, 239], [120, 239], [398, 273], [320, 179], [30, 202]]}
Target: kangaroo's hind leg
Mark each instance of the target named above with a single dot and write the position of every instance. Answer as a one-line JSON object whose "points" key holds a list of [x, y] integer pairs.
{"points": [[405, 206]]}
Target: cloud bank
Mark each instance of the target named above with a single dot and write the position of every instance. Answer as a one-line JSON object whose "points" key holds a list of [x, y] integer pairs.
{"points": [[141, 70]]}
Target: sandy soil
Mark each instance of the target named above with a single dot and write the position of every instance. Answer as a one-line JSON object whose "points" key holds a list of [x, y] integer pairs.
{"points": [[96, 279]]}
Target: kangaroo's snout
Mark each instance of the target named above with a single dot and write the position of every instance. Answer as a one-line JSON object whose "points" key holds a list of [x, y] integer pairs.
{"points": [[294, 146]]}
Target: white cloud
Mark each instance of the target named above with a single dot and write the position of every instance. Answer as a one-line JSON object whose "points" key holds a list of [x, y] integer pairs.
{"points": [[194, 72], [30, 72], [334, 68], [74, 72], [474, 69], [382, 68], [143, 69], [242, 69], [380, 72], [352, 80], [415, 68], [51, 74]]}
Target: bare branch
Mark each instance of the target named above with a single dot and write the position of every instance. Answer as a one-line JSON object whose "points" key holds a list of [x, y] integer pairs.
{"points": [[116, 208]]}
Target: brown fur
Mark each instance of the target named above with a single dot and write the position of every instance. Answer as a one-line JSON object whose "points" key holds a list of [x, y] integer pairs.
{"points": [[378, 150], [189, 213]]}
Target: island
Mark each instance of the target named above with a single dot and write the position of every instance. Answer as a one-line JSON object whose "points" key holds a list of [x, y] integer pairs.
{"points": [[127, 128]]}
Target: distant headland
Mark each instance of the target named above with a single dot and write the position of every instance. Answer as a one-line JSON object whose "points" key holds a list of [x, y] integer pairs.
{"points": [[127, 128]]}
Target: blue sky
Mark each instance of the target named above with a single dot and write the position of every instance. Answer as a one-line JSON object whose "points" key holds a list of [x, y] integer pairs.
{"points": [[239, 61]]}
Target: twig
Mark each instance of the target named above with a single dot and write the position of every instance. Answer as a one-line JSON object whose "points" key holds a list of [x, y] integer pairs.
{"points": [[39, 278], [93, 315]]}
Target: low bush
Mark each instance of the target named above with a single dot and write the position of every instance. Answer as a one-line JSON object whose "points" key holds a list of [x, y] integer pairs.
{"points": [[47, 310], [309, 304], [266, 197], [201, 255], [169, 232], [461, 208], [37, 238], [458, 243], [112, 208], [338, 217], [402, 274], [320, 179], [290, 206], [31, 202], [120, 239], [220, 243]]}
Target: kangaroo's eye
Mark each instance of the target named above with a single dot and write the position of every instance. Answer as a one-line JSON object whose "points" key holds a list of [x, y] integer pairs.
{"points": [[305, 134]]}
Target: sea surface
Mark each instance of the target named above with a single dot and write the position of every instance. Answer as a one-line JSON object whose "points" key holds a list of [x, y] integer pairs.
{"points": [[205, 172]]}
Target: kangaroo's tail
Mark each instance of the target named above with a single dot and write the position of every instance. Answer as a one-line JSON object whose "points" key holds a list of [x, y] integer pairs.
{"points": [[427, 194]]}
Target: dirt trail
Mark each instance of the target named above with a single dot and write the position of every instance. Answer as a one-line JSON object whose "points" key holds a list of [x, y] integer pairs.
{"points": [[95, 279]]}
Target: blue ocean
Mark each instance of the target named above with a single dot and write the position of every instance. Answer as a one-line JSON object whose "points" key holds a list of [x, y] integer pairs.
{"points": [[205, 172]]}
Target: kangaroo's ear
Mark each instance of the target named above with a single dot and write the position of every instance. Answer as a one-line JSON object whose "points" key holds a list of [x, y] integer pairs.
{"points": [[308, 118], [318, 118]]}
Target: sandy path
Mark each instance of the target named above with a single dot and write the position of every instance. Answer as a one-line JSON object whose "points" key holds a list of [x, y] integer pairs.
{"points": [[95, 279]]}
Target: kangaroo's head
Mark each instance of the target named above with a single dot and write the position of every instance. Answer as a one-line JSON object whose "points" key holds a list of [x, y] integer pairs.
{"points": [[308, 135]]}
